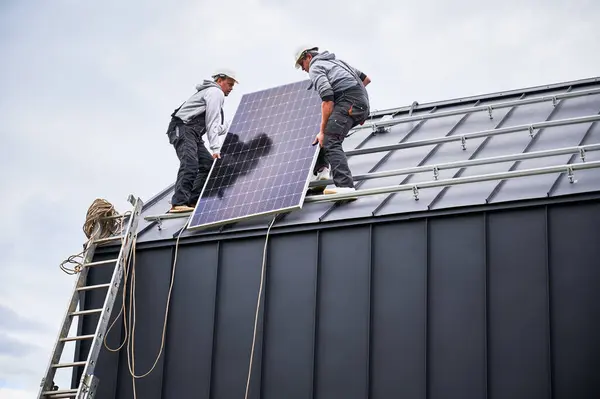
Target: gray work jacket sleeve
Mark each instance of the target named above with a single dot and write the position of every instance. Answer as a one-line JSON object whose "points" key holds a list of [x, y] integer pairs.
{"points": [[318, 75], [215, 127]]}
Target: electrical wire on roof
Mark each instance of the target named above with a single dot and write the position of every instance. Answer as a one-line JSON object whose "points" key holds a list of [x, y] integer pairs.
{"points": [[101, 221], [260, 291], [130, 332]]}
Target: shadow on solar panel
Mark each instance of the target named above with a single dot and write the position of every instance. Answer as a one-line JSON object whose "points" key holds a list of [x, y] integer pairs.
{"points": [[267, 157], [238, 159]]}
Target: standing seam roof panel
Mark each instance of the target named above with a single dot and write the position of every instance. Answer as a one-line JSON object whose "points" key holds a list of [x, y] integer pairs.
{"points": [[450, 196], [491, 146], [417, 156]]}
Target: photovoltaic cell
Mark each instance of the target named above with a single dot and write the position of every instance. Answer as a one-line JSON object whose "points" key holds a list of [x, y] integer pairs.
{"points": [[266, 159]]}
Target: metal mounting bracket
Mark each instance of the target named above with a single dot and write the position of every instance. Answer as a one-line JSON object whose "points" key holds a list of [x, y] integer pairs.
{"points": [[415, 191], [570, 175], [463, 142], [383, 129], [554, 101], [582, 154], [489, 108], [531, 131], [412, 107], [436, 172]]}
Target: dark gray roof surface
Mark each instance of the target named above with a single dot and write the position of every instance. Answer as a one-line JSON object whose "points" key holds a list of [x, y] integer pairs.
{"points": [[436, 198]]}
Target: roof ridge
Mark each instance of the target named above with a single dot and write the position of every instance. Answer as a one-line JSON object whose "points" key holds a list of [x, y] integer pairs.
{"points": [[488, 96]]}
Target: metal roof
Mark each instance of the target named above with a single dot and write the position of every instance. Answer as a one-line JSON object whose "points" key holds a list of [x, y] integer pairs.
{"points": [[514, 125]]}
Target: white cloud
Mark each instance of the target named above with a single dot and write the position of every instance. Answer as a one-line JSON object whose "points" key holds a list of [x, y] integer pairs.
{"points": [[79, 77]]}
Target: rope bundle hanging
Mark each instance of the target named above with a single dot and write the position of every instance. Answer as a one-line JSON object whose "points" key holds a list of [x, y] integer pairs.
{"points": [[98, 213], [101, 221]]}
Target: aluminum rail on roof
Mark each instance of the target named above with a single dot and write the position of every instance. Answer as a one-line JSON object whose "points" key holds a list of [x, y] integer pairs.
{"points": [[484, 97], [489, 108], [570, 168], [473, 162], [483, 133]]}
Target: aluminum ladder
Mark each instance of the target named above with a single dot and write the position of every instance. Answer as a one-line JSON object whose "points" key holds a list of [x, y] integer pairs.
{"points": [[88, 383]]}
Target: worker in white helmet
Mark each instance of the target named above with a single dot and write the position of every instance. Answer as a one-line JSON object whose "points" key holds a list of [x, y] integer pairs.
{"points": [[345, 105], [201, 113]]}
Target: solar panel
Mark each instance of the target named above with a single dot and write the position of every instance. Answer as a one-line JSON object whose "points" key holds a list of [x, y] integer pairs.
{"points": [[266, 159]]}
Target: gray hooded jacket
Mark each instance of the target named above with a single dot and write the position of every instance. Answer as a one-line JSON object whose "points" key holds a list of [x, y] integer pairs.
{"points": [[208, 100], [331, 76]]}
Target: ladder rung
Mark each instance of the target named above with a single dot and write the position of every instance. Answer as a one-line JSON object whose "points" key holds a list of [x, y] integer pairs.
{"points": [[100, 263], [93, 287], [65, 365], [84, 312], [77, 338], [108, 239], [61, 393]]}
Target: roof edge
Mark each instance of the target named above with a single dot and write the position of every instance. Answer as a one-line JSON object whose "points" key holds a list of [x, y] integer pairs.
{"points": [[488, 96], [259, 231], [157, 197]]}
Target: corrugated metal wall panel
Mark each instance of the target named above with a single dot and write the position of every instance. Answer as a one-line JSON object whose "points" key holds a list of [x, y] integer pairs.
{"points": [[456, 311], [239, 277], [488, 304], [343, 314], [518, 357], [398, 310], [189, 343], [574, 260], [152, 278], [289, 342]]}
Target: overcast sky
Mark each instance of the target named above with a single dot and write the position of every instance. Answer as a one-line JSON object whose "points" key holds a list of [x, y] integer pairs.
{"points": [[78, 76]]}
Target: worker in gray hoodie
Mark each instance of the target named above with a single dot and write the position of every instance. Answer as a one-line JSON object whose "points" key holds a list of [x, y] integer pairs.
{"points": [[345, 104], [201, 113]]}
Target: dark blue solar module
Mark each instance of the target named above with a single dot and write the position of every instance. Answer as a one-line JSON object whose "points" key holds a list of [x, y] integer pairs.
{"points": [[266, 159]]}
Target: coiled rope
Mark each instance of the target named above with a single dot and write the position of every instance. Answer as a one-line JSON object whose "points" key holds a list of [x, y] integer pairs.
{"points": [[103, 213], [101, 221]]}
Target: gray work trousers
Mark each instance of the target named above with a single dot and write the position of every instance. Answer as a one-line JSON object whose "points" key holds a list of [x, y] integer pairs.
{"points": [[195, 162], [350, 109]]}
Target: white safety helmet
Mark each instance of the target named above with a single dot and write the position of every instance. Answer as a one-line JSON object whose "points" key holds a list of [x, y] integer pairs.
{"points": [[301, 52], [225, 73]]}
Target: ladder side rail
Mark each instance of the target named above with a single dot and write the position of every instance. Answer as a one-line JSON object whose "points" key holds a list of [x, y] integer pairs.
{"points": [[115, 283], [57, 351]]}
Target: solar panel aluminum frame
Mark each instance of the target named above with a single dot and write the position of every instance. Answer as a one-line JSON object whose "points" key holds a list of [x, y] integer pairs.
{"points": [[277, 211]]}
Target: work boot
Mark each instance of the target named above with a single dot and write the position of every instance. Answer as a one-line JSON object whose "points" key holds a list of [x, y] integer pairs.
{"points": [[341, 190], [181, 209], [322, 174]]}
